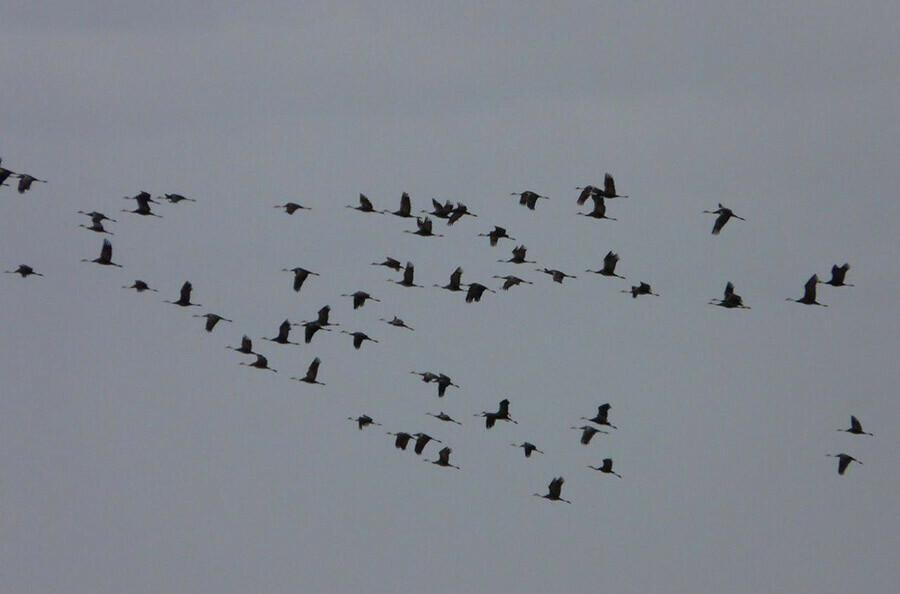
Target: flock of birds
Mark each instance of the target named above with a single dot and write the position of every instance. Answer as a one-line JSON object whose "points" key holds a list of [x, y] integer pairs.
{"points": [[473, 291]]}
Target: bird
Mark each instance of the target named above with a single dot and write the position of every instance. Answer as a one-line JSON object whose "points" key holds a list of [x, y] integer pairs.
{"points": [[260, 363], [105, 257], [502, 414], [856, 427], [588, 433], [730, 299], [422, 440], [25, 270], [495, 235], [25, 182], [291, 207], [184, 299], [555, 488], [528, 198], [518, 256], [358, 338], [599, 210], [176, 198], [441, 211], [443, 459], [444, 382], [455, 283], [602, 414], [300, 275], [475, 291], [408, 273], [359, 298], [609, 265], [558, 276], [391, 263], [609, 187], [246, 346], [97, 227], [140, 286], [143, 208], [809, 293], [724, 215], [396, 322], [511, 281], [424, 228], [363, 421], [528, 447], [405, 210], [97, 217], [443, 417], [310, 329], [606, 468], [402, 439], [283, 331], [844, 461], [837, 276], [211, 320], [322, 317], [427, 376], [641, 289], [365, 205], [311, 373], [587, 192], [459, 212]]}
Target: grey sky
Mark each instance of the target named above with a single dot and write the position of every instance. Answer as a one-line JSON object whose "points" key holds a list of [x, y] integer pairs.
{"points": [[137, 455]]}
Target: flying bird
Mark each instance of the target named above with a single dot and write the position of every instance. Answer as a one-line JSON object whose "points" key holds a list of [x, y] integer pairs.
{"points": [[511, 281], [588, 432], [724, 215], [105, 257], [211, 320], [455, 283], [184, 299], [408, 273], [310, 329], [143, 200], [359, 298], [856, 427], [283, 331], [502, 414], [459, 212], [405, 210], [391, 263], [97, 227], [837, 276], [558, 276], [730, 300], [97, 217], [300, 276], [176, 198], [25, 182], [427, 376], [606, 467], [140, 286], [599, 210], [246, 346], [641, 289], [441, 211], [528, 198], [809, 293], [518, 256], [602, 416], [402, 439], [363, 421], [311, 373], [422, 440], [443, 459], [443, 417], [396, 322], [475, 291], [358, 338], [25, 270], [528, 447], [496, 235], [444, 382], [609, 265], [424, 228], [555, 488], [365, 205], [844, 461], [260, 363], [292, 207]]}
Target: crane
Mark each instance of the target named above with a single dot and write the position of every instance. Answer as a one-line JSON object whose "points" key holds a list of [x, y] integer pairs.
{"points": [[724, 215], [602, 416], [606, 467], [211, 320], [422, 440], [300, 276], [260, 363], [359, 298], [408, 273], [455, 283], [475, 291], [588, 432], [844, 461], [641, 289], [809, 293], [730, 300], [511, 281], [395, 322], [291, 207], [363, 421], [405, 210], [358, 338], [555, 488], [25, 270], [105, 257], [283, 331], [401, 439], [558, 276], [528, 447], [184, 298], [495, 235], [837, 276], [365, 205], [246, 346], [311, 373], [140, 286], [528, 198], [856, 427], [442, 416], [609, 265], [443, 459], [518, 256]]}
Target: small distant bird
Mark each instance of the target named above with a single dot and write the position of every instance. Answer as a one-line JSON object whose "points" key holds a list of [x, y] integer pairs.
{"points": [[144, 200], [609, 265], [837, 276], [443, 459], [300, 276], [283, 331], [140, 286], [405, 207], [588, 432], [425, 228], [587, 192], [310, 329], [602, 416], [408, 273], [475, 291], [427, 376], [855, 427], [529, 448], [211, 320], [724, 215], [558, 276], [25, 270], [422, 440], [502, 414], [311, 373], [396, 322], [97, 227], [554, 490], [359, 298], [184, 299], [291, 207], [105, 257], [496, 235], [528, 198], [443, 417], [441, 211], [599, 211], [459, 212], [444, 382], [606, 468], [322, 318], [609, 187], [358, 338], [809, 293], [25, 182], [402, 439], [844, 461], [641, 289], [455, 283], [511, 281], [363, 421], [391, 263], [246, 346], [365, 205], [730, 300], [260, 363], [176, 198], [97, 217], [518, 256]]}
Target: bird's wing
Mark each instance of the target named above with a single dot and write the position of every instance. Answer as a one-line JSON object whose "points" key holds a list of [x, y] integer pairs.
{"points": [[405, 204], [456, 277], [106, 251], [609, 185], [843, 463], [186, 291], [855, 425], [408, 273], [809, 289], [729, 290]]}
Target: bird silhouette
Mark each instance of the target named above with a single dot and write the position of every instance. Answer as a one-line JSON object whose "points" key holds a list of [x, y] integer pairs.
{"points": [[246, 346], [143, 200], [25, 270], [528, 447], [105, 257], [25, 182], [495, 235], [391, 263], [459, 212], [475, 291], [363, 421], [599, 210], [528, 198], [588, 432], [359, 298], [311, 373], [609, 265], [606, 467], [724, 215], [211, 320], [260, 363], [443, 459], [401, 439], [140, 286], [405, 210], [422, 440], [184, 298], [443, 417], [837, 276], [283, 331], [730, 300], [424, 228], [558, 276], [455, 283], [291, 207], [809, 293], [300, 276], [518, 256], [554, 490], [856, 427], [441, 211], [511, 281], [602, 416], [408, 273], [365, 205], [844, 461], [502, 414], [358, 338], [395, 322], [641, 289], [176, 198]]}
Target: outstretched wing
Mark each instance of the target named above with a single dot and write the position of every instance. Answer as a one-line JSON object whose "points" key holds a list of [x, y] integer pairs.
{"points": [[365, 203], [609, 185], [186, 292], [106, 251]]}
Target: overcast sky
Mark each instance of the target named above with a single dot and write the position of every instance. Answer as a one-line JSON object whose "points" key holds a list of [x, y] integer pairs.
{"points": [[136, 455]]}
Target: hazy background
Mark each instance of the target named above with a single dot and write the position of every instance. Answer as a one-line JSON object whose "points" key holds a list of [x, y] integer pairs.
{"points": [[136, 455]]}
